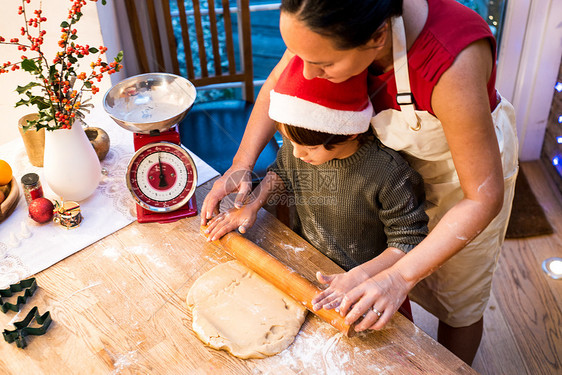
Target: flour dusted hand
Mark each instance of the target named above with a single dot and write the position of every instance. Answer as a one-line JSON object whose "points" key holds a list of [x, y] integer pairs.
{"points": [[371, 285], [234, 180], [235, 218], [383, 292], [338, 285]]}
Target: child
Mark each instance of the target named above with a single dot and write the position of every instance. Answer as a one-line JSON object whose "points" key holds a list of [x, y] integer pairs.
{"points": [[357, 202]]}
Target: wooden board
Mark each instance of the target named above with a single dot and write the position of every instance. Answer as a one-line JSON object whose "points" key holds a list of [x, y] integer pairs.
{"points": [[118, 306]]}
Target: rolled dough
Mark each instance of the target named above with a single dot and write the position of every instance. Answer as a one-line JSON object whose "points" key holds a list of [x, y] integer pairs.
{"points": [[236, 310]]}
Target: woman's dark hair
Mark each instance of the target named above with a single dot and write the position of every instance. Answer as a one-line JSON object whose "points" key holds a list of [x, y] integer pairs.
{"points": [[308, 137], [350, 23]]}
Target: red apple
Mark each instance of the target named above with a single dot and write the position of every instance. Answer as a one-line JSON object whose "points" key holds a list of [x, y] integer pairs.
{"points": [[41, 210]]}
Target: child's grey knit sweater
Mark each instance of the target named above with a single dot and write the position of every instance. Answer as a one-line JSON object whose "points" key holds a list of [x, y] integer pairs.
{"points": [[352, 209]]}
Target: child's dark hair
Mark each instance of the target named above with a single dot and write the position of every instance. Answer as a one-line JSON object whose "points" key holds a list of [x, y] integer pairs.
{"points": [[307, 137], [350, 23]]}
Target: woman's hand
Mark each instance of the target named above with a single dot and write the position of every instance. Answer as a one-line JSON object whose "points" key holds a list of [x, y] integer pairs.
{"points": [[383, 292], [235, 179], [235, 218], [338, 285]]}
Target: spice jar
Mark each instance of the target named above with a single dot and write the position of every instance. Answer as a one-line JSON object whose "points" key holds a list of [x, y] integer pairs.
{"points": [[31, 187]]}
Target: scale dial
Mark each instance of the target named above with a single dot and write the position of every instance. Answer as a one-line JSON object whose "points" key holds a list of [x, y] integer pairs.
{"points": [[162, 177]]}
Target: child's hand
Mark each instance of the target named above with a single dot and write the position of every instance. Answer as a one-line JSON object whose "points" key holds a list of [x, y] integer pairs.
{"points": [[235, 179], [235, 218], [338, 286]]}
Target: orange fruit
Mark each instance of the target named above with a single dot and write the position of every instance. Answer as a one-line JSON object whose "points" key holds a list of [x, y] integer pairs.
{"points": [[5, 173]]}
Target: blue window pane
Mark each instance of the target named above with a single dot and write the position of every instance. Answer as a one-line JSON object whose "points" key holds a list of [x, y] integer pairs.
{"points": [[492, 11]]}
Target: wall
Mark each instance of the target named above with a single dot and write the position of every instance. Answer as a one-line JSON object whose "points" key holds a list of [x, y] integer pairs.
{"points": [[10, 24], [551, 154], [528, 67]]}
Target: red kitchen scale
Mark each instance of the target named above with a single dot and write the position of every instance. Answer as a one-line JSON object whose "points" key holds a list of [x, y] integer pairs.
{"points": [[161, 176]]}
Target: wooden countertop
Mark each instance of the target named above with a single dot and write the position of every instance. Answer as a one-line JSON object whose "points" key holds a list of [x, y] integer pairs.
{"points": [[118, 307]]}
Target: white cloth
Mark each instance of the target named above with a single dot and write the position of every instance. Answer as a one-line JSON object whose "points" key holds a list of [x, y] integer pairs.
{"points": [[109, 209]]}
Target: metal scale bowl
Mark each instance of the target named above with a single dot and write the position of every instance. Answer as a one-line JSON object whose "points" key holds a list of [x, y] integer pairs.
{"points": [[161, 175]]}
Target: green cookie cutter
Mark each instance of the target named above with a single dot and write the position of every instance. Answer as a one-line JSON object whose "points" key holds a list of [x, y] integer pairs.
{"points": [[28, 286], [22, 330]]}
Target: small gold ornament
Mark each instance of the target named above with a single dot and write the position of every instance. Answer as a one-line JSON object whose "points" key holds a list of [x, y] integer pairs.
{"points": [[68, 214]]}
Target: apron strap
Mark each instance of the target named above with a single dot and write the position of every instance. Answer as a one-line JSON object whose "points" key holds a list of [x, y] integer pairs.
{"points": [[404, 96]]}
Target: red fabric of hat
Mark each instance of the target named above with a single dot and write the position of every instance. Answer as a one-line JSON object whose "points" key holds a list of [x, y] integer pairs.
{"points": [[321, 105]]}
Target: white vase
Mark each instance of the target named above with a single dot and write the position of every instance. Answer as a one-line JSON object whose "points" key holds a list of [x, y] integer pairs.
{"points": [[71, 167]]}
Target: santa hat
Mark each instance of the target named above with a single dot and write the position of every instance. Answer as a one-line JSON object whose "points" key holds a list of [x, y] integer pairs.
{"points": [[321, 105]]}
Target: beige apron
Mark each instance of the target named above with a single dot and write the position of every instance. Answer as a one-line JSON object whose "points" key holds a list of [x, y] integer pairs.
{"points": [[458, 292]]}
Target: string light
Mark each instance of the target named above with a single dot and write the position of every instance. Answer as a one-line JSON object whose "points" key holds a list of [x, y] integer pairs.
{"points": [[553, 267], [557, 164]]}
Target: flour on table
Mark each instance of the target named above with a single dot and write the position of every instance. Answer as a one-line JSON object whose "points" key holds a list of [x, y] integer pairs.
{"points": [[293, 248], [111, 253], [236, 310]]}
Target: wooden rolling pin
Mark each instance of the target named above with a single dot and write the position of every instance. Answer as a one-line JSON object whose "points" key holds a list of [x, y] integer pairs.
{"points": [[281, 276]]}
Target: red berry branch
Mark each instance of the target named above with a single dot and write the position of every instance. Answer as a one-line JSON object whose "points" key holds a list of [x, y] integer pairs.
{"points": [[59, 86]]}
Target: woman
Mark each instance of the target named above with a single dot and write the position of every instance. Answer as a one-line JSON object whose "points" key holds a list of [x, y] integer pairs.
{"points": [[444, 115]]}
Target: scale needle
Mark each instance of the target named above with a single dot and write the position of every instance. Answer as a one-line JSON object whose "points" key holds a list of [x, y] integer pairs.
{"points": [[162, 182]]}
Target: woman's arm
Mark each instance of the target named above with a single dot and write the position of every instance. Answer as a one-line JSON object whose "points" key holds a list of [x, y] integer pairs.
{"points": [[258, 132], [460, 101]]}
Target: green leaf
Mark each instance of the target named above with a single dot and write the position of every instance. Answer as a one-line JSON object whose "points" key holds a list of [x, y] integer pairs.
{"points": [[119, 57], [103, 2], [72, 59], [30, 124], [74, 36], [22, 102], [21, 89], [64, 24], [29, 65], [40, 102], [93, 50], [45, 116], [52, 72], [88, 84]]}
